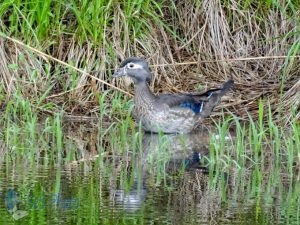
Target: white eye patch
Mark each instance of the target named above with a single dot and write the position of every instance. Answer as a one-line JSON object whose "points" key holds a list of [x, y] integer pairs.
{"points": [[134, 66]]}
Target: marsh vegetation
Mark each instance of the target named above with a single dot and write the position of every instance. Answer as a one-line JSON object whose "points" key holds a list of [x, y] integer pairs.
{"points": [[69, 133]]}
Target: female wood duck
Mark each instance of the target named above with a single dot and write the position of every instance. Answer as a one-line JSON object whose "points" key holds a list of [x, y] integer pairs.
{"points": [[169, 113]]}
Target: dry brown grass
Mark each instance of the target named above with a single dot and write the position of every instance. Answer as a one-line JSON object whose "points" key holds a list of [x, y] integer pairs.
{"points": [[206, 31]]}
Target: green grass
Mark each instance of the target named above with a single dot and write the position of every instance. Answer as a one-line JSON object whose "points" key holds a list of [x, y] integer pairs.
{"points": [[259, 161], [38, 96], [259, 150], [88, 20], [246, 146], [261, 143], [92, 34]]}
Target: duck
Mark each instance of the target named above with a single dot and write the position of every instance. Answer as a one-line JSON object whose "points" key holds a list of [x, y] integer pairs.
{"points": [[168, 113]]}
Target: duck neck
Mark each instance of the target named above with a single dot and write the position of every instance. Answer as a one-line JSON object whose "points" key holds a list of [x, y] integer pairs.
{"points": [[143, 93]]}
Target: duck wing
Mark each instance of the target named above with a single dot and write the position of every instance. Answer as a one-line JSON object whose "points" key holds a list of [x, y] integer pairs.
{"points": [[198, 103]]}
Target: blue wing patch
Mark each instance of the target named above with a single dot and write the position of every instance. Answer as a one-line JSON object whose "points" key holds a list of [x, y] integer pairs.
{"points": [[196, 107]]}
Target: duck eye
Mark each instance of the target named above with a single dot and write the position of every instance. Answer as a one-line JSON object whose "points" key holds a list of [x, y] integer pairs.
{"points": [[131, 65]]}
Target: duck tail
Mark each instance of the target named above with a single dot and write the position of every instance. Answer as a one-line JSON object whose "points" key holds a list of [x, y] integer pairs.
{"points": [[214, 98], [226, 87]]}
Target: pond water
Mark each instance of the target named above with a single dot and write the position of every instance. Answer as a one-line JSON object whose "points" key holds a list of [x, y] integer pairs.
{"points": [[160, 179]]}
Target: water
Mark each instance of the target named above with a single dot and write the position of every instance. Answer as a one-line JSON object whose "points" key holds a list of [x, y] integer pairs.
{"points": [[166, 179]]}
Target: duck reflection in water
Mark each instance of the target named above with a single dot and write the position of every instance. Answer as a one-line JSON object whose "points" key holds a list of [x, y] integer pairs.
{"points": [[170, 153]]}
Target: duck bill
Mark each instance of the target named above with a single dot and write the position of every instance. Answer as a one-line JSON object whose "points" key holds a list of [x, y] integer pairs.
{"points": [[119, 73]]}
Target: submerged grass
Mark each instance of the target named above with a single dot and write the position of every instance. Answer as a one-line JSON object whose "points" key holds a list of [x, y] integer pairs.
{"points": [[263, 153], [237, 144], [249, 163]]}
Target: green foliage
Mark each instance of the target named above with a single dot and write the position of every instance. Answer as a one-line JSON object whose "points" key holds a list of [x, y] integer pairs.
{"points": [[265, 146], [88, 20], [260, 158]]}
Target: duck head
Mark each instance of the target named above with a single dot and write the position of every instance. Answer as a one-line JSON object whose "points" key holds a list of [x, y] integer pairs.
{"points": [[135, 68]]}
